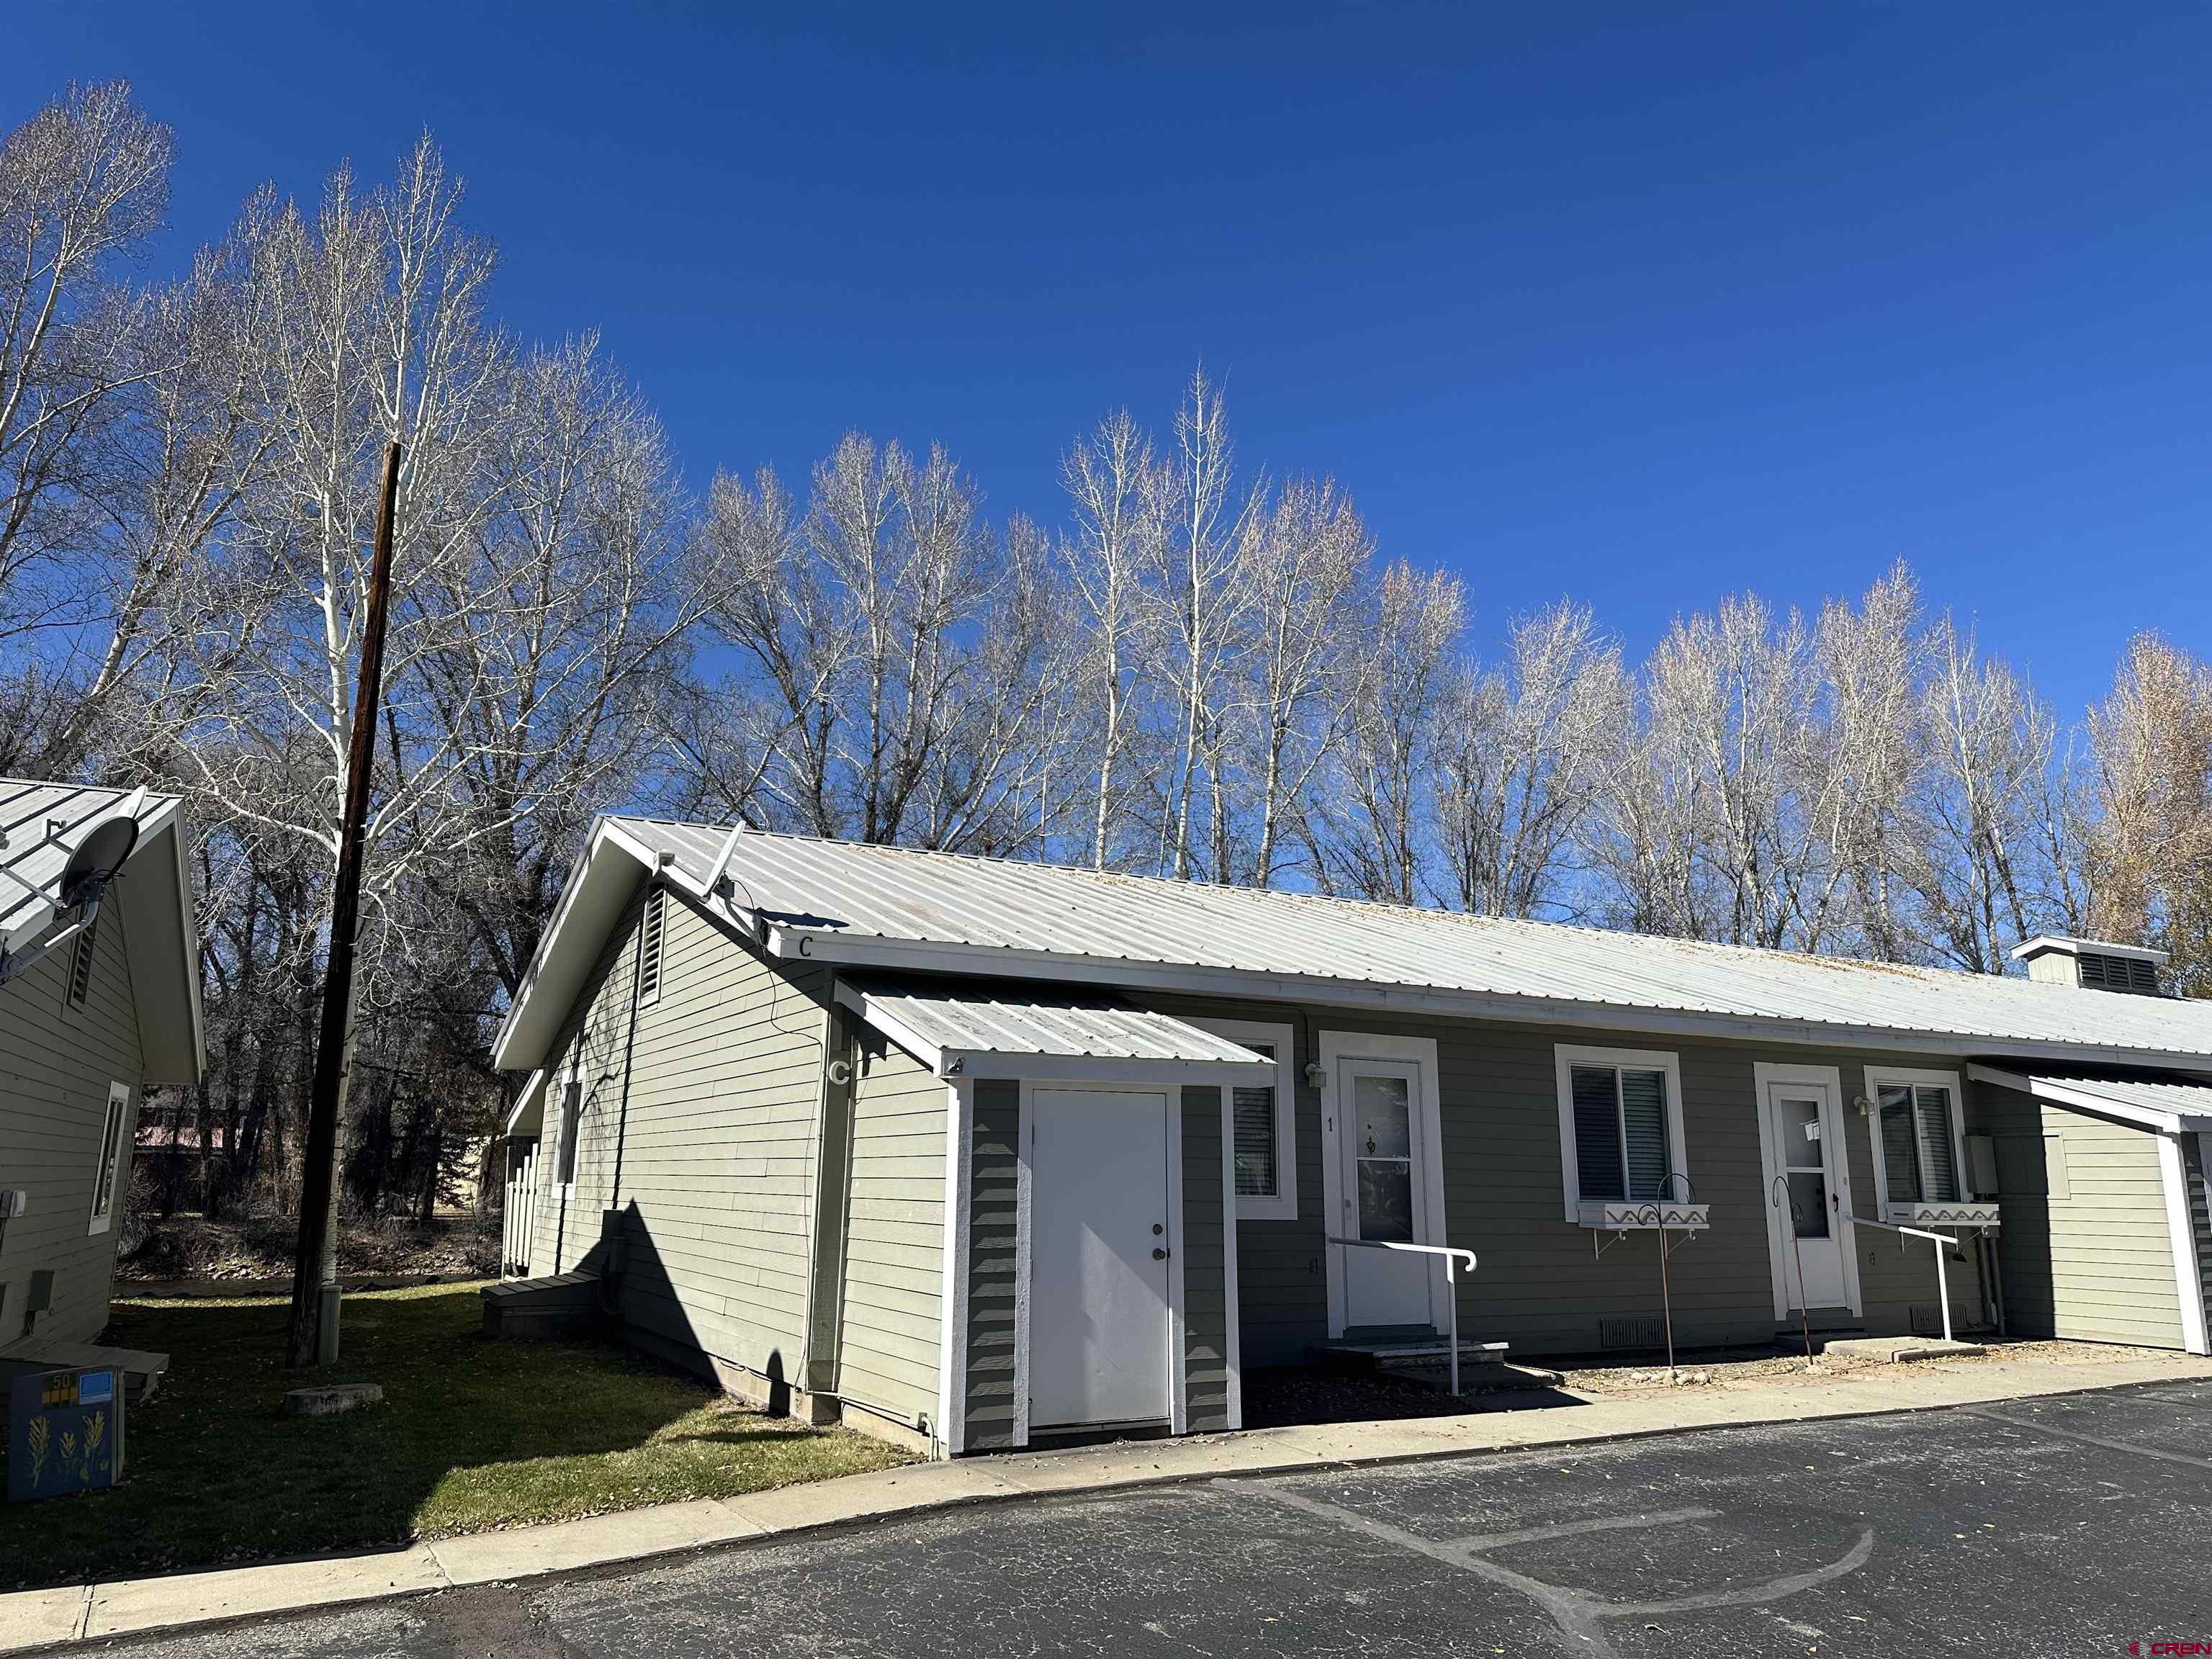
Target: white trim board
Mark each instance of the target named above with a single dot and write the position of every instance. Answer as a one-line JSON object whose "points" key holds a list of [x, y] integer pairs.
{"points": [[1566, 1057], [2189, 1288], [1764, 1074], [1331, 1048], [953, 1302], [1283, 1204], [1233, 1352]]}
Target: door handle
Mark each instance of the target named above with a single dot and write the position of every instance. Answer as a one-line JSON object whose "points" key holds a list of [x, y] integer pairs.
{"points": [[1159, 1255]]}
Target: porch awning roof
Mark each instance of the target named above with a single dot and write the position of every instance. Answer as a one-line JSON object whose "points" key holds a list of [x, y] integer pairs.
{"points": [[964, 1031], [2154, 1102]]}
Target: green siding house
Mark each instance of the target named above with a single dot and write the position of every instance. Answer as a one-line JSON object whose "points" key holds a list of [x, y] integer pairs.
{"points": [[94, 1009], [976, 1153]]}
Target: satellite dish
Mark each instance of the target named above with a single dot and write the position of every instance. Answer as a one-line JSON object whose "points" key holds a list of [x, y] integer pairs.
{"points": [[96, 859]]}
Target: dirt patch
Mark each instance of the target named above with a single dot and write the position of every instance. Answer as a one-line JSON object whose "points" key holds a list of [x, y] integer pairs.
{"points": [[1783, 1368]]}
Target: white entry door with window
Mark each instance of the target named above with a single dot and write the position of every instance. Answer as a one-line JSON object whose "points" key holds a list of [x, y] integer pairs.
{"points": [[1380, 1142], [1101, 1236], [1809, 1205]]}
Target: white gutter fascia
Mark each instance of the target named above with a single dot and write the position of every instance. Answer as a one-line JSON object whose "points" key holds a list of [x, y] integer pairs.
{"points": [[2060, 1094], [1252, 985]]}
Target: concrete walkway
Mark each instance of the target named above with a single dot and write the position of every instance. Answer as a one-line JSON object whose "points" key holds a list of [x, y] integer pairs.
{"points": [[34, 1619]]}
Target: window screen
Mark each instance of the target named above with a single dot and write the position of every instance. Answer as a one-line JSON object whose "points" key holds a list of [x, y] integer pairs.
{"points": [[1621, 1149], [1252, 1108], [110, 1151], [571, 1110], [1919, 1165]]}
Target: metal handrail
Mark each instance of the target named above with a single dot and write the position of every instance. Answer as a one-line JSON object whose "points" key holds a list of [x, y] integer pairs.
{"points": [[1942, 1279], [1451, 1253]]}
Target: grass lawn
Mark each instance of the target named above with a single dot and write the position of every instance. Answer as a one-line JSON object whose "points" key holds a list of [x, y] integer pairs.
{"points": [[473, 1435]]}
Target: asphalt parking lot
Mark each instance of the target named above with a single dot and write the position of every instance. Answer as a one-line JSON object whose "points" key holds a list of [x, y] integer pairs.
{"points": [[2077, 1525]]}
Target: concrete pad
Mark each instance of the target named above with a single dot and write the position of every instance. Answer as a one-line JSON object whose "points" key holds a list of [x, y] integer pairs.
{"points": [[31, 1619], [526, 1552], [191, 1598], [857, 1497], [334, 1400], [1898, 1349]]}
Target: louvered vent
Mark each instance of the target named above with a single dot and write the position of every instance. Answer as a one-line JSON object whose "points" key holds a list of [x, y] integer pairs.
{"points": [[650, 947], [2103, 972], [2093, 964]]}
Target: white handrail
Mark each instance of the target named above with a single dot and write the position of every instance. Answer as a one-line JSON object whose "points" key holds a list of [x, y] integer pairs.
{"points": [[1451, 1254], [1942, 1279]]}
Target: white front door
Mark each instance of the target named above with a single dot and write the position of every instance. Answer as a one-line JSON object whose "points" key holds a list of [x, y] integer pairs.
{"points": [[1807, 1207], [1100, 1234], [1385, 1192]]}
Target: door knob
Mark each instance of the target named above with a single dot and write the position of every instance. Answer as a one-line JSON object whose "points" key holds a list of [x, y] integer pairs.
{"points": [[1159, 1255]]}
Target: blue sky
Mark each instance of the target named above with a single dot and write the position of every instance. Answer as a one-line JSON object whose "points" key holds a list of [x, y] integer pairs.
{"points": [[1640, 308]]}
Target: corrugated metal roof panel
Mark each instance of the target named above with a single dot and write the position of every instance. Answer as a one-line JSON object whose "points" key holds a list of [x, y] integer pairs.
{"points": [[2145, 1094], [836, 888], [41, 825], [956, 1021]]}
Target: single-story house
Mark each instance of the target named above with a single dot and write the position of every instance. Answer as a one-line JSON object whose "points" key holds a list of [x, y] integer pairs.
{"points": [[99, 999], [976, 1153]]}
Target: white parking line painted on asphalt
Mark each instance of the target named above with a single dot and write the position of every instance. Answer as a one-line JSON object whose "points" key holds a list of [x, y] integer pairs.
{"points": [[2033, 1427], [1580, 1617]]}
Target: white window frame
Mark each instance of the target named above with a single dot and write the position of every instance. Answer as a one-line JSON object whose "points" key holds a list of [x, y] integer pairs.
{"points": [[1282, 1205], [108, 1172], [1564, 1058], [1879, 1078], [576, 1082]]}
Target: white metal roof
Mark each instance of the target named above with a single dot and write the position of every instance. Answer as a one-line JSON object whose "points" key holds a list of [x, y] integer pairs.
{"points": [[959, 1032], [2172, 1104], [41, 825], [900, 908]]}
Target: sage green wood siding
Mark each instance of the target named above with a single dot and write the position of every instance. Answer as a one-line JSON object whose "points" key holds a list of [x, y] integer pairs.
{"points": [[1204, 1278], [57, 1059], [1540, 1285], [2092, 1260], [699, 1134], [993, 1274], [889, 1333]]}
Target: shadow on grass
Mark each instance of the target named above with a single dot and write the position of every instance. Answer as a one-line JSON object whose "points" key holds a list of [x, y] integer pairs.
{"points": [[471, 1434]]}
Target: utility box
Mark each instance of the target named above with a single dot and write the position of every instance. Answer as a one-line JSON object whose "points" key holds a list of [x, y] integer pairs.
{"points": [[64, 1432]]}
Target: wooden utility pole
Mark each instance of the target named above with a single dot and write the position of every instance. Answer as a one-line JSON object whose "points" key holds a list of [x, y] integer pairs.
{"points": [[311, 1336]]}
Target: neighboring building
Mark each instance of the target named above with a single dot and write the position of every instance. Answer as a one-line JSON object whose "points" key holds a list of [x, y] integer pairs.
{"points": [[977, 1153], [87, 1026]]}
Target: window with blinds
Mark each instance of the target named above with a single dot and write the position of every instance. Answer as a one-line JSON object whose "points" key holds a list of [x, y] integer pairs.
{"points": [[1621, 1146], [650, 944], [1919, 1165], [1252, 1111]]}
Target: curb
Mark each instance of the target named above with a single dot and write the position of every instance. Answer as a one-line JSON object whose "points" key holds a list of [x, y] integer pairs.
{"points": [[86, 1596]]}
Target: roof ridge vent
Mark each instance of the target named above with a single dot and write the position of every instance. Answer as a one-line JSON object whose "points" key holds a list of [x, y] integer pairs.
{"points": [[2093, 964]]}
